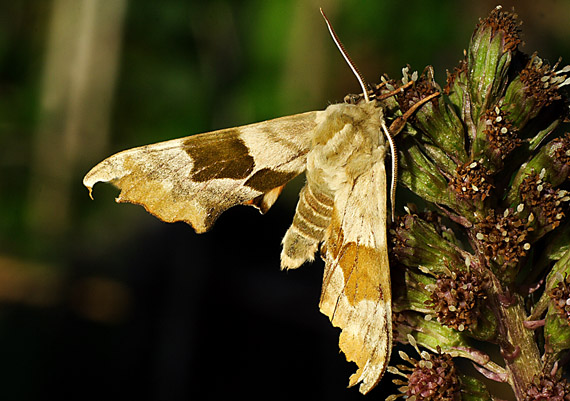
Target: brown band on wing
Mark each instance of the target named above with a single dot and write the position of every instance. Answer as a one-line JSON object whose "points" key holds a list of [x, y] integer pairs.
{"points": [[359, 265], [266, 179], [223, 155]]}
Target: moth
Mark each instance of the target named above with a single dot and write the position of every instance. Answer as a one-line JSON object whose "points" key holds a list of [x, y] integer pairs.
{"points": [[342, 208]]}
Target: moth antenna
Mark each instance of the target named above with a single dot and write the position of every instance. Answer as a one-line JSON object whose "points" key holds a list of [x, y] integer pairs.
{"points": [[346, 57], [394, 169], [395, 129]]}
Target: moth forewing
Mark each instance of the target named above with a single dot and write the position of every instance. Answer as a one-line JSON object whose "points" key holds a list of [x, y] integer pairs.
{"points": [[194, 179], [344, 205], [356, 293]]}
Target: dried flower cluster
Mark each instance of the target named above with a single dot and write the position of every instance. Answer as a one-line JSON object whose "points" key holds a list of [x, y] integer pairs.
{"points": [[542, 198], [472, 181], [545, 388], [502, 239], [560, 296], [501, 133], [455, 299], [432, 377]]}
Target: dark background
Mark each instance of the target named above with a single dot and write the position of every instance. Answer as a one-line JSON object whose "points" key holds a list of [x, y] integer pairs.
{"points": [[100, 301]]}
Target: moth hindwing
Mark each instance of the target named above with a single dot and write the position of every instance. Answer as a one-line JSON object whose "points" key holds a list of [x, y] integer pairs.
{"points": [[342, 206]]}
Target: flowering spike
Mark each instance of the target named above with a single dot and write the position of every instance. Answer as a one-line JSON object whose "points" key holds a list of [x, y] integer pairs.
{"points": [[495, 218]]}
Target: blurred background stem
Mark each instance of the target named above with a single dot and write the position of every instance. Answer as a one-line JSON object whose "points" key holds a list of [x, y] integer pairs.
{"points": [[79, 75]]}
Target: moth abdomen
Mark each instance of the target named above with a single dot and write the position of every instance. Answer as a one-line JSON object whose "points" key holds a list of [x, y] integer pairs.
{"points": [[312, 217]]}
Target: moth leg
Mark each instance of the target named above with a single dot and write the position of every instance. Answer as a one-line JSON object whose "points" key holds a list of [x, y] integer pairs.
{"points": [[395, 91], [398, 124]]}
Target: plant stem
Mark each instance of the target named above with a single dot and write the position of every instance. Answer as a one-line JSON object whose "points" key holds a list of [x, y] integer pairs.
{"points": [[521, 354]]}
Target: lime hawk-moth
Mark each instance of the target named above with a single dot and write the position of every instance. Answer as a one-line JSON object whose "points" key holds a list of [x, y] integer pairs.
{"points": [[342, 208]]}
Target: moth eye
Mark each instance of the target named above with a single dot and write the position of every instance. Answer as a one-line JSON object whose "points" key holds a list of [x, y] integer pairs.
{"points": [[352, 98]]}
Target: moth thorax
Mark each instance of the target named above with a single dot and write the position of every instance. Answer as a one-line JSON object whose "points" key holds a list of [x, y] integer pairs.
{"points": [[347, 141]]}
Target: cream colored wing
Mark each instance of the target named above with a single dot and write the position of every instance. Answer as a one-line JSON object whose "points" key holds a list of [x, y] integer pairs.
{"points": [[356, 293], [194, 179]]}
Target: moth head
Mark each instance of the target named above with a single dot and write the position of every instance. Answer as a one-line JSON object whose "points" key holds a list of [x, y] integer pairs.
{"points": [[352, 98]]}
